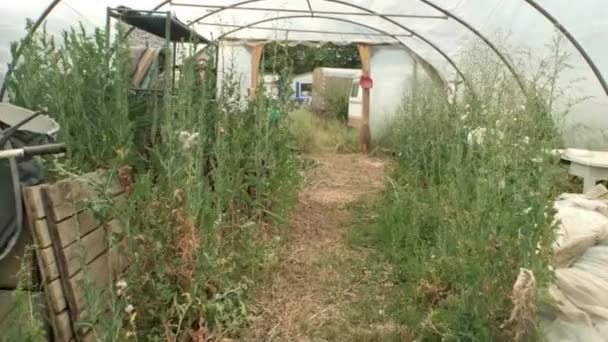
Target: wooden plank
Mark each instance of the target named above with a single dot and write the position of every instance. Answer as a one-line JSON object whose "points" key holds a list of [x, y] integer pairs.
{"points": [[89, 248], [89, 336], [85, 250], [365, 133], [68, 291], [76, 227], [41, 233], [56, 297], [47, 294], [70, 229], [63, 330], [75, 230], [256, 58], [99, 274], [66, 194]]}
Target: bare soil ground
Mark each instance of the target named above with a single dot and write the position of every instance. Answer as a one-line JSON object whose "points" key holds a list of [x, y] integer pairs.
{"points": [[310, 296]]}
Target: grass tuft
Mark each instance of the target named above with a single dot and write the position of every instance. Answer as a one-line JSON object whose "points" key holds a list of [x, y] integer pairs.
{"points": [[314, 134]]}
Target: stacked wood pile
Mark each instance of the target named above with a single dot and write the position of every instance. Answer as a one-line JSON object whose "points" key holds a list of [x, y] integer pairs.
{"points": [[75, 249]]}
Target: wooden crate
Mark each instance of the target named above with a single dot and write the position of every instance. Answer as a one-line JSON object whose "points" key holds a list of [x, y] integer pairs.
{"points": [[73, 245]]}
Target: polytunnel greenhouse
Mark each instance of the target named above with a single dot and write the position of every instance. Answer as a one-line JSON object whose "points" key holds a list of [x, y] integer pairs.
{"points": [[304, 170]]}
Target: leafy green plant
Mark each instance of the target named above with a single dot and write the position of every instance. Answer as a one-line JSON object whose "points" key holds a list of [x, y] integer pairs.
{"points": [[314, 134], [213, 181], [469, 203], [337, 104]]}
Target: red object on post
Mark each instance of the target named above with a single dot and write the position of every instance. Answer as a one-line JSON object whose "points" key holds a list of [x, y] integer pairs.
{"points": [[366, 82]]}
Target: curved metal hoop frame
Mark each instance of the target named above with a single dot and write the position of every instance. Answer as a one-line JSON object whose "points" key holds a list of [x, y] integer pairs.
{"points": [[532, 3], [367, 10], [503, 58], [399, 41]]}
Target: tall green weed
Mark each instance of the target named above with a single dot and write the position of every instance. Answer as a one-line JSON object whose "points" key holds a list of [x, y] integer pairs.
{"points": [[470, 203], [213, 180]]}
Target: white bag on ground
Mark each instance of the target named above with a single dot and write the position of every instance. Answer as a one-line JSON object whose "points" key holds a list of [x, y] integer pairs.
{"points": [[580, 290]]}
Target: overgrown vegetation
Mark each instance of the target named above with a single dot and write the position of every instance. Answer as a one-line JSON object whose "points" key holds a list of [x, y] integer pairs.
{"points": [[337, 104], [469, 204], [312, 133], [213, 178]]}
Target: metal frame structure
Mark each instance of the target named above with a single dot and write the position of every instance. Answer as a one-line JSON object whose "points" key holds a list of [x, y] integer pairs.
{"points": [[286, 10], [384, 33], [369, 12], [450, 15], [570, 37], [387, 17], [345, 33], [401, 26]]}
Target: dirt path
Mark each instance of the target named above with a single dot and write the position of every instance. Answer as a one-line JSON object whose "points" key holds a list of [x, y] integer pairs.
{"points": [[310, 293]]}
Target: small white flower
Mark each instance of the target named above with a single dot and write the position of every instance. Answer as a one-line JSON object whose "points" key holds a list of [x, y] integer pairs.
{"points": [[502, 184], [219, 220], [522, 107], [550, 268], [129, 309], [476, 136], [464, 117], [537, 160], [188, 139], [527, 210], [537, 248], [121, 284]]}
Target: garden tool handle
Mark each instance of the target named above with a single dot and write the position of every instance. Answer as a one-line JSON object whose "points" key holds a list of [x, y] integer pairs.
{"points": [[32, 151], [44, 149]]}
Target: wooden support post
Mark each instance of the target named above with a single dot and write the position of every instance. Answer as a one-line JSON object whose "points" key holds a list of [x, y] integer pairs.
{"points": [[256, 60], [365, 133]]}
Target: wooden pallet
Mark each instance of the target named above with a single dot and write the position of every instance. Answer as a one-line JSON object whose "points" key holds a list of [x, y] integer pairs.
{"points": [[73, 247]]}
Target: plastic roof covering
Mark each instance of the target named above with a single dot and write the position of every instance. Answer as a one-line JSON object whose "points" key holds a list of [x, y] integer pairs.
{"points": [[524, 26]]}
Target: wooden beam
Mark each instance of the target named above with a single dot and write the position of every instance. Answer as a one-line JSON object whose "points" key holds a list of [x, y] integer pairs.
{"points": [[365, 133], [256, 60]]}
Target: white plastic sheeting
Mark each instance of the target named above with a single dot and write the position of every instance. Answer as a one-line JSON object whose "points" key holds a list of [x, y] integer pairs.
{"points": [[580, 289], [584, 125], [234, 65], [393, 71]]}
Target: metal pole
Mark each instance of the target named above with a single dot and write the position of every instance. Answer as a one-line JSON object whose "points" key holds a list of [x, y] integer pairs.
{"points": [[108, 29], [307, 31], [174, 62], [218, 9], [577, 45], [312, 13], [491, 45]]}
